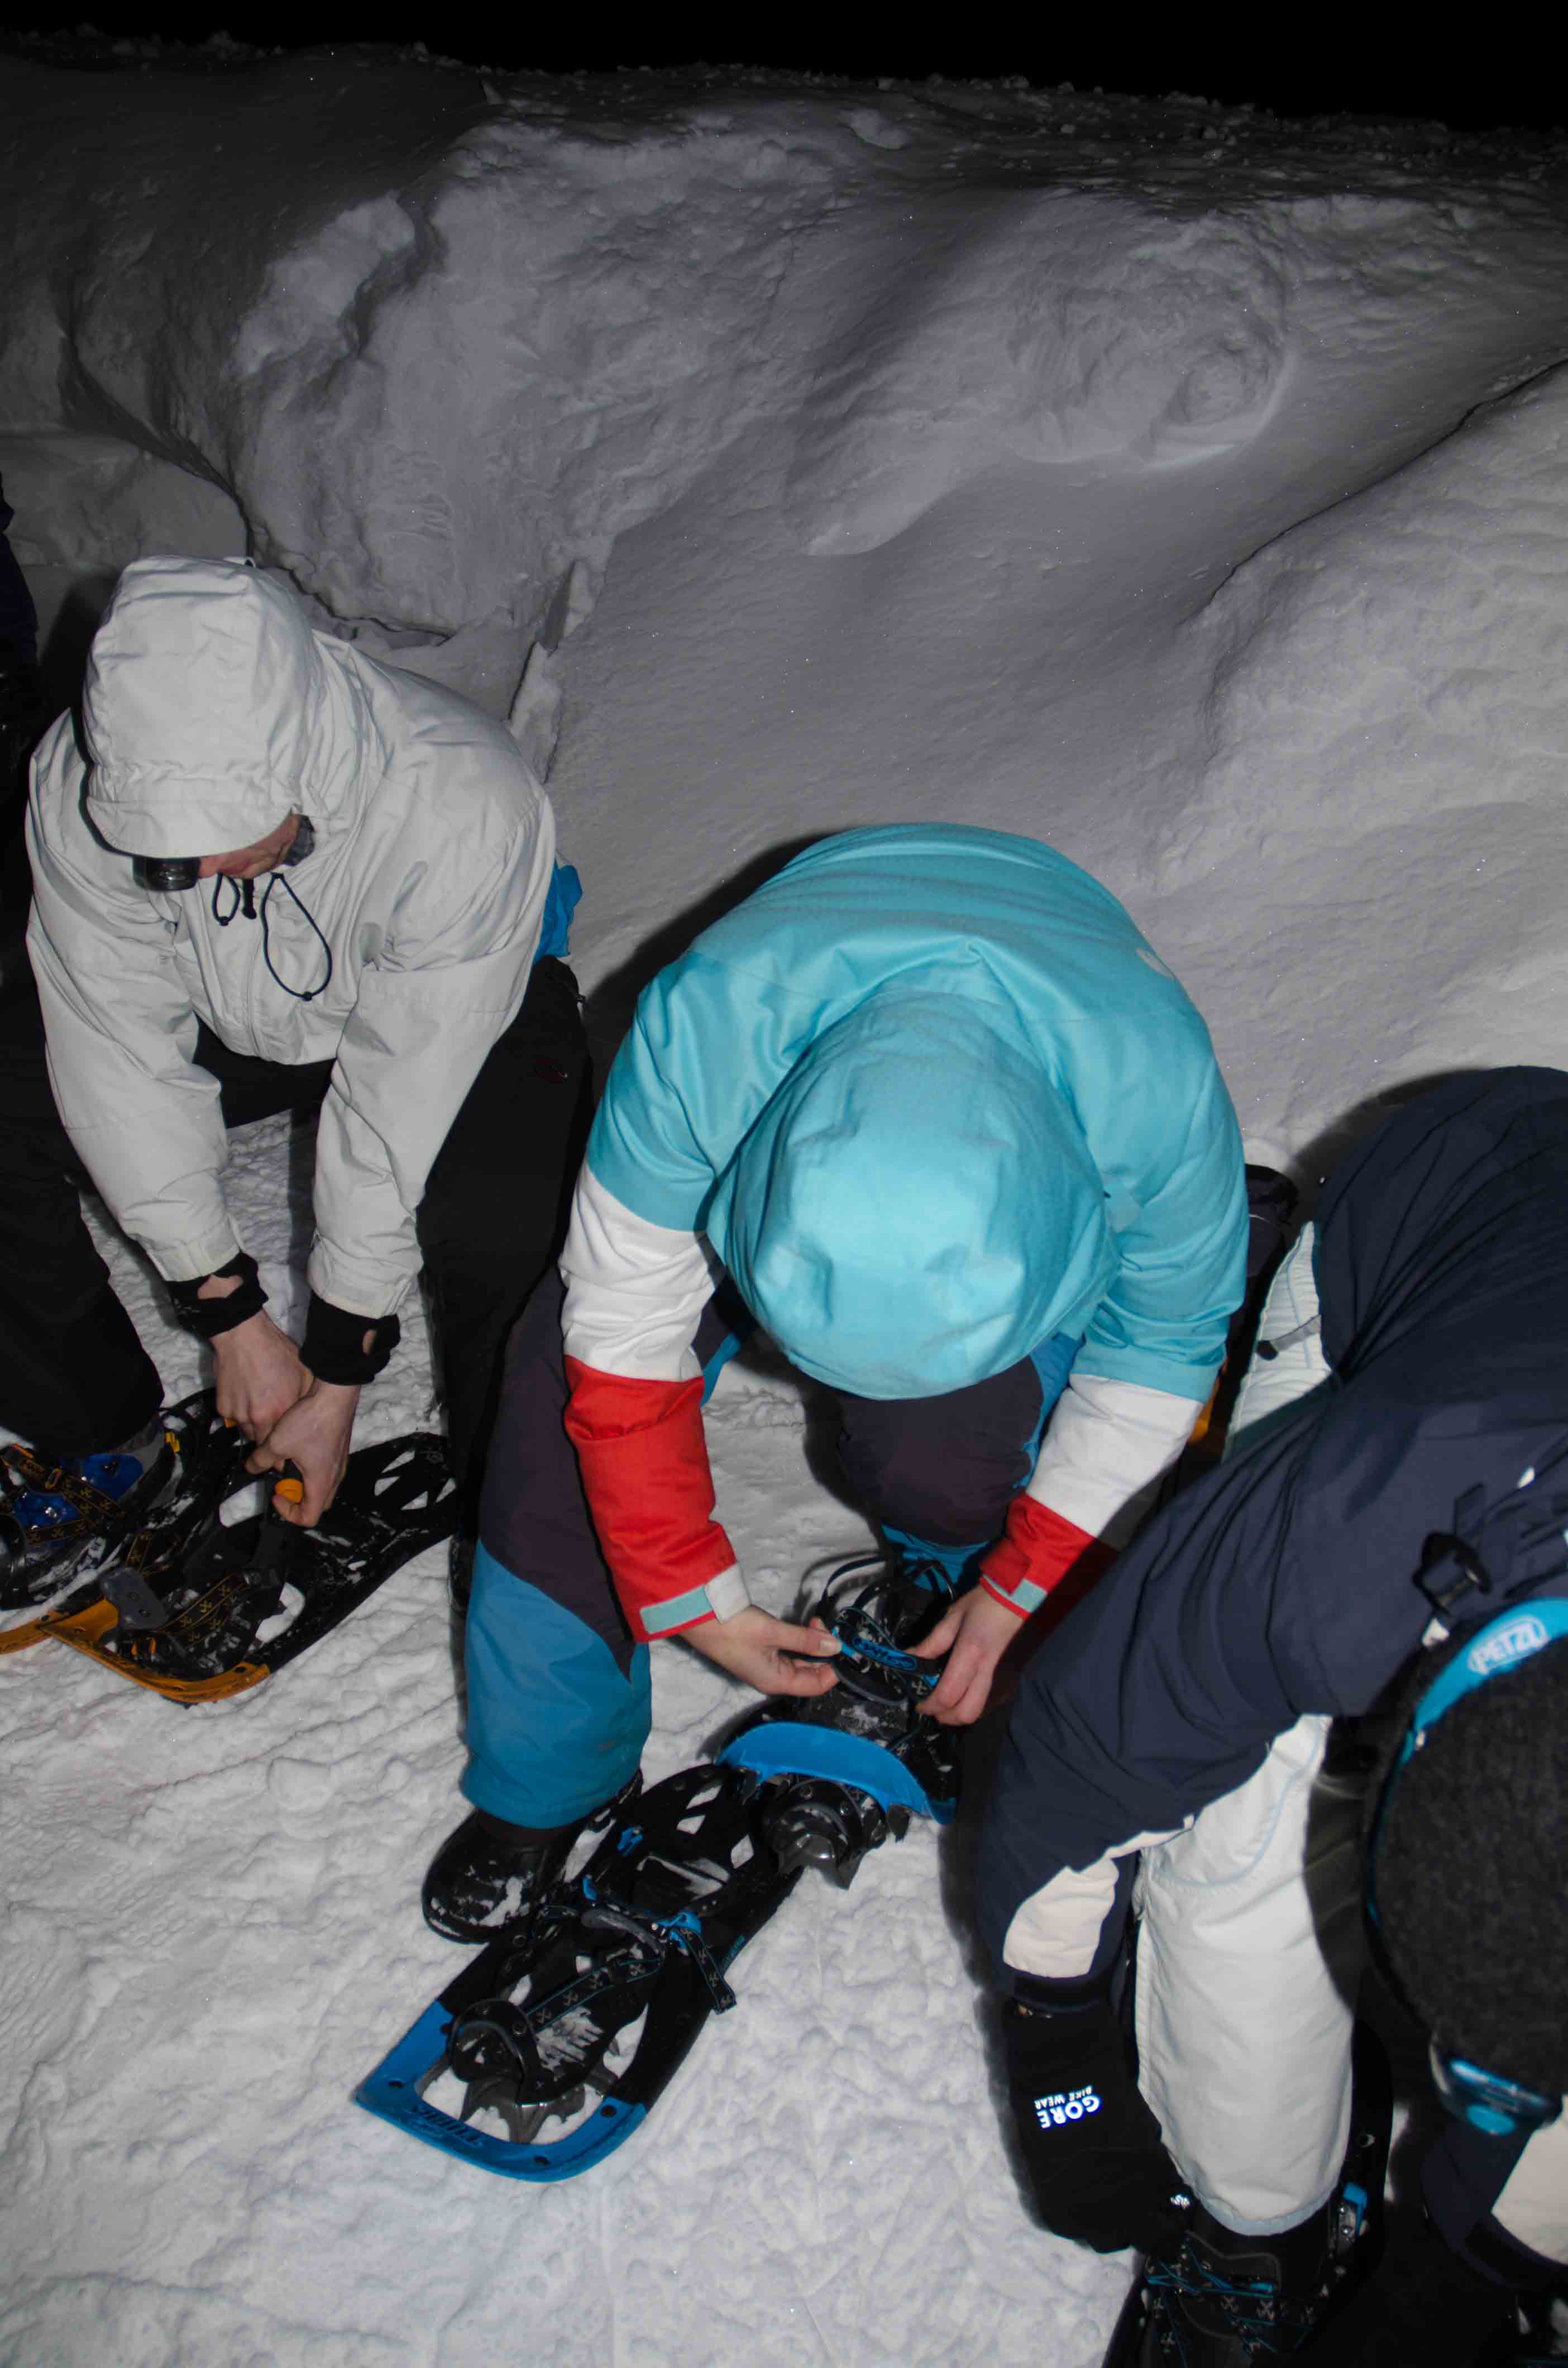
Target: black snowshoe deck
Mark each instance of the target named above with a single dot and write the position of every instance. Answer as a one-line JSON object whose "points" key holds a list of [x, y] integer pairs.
{"points": [[198, 1612], [625, 1961]]}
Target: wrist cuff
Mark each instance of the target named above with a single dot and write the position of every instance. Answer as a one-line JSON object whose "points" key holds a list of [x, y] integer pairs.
{"points": [[209, 1317], [719, 1598], [1042, 1994], [334, 1347]]}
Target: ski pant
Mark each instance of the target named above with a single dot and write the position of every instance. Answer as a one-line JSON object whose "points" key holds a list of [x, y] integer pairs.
{"points": [[558, 1693], [73, 1376], [1250, 1954]]}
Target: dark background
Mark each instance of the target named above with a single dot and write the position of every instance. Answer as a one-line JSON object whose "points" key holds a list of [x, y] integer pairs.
{"points": [[1475, 73]]}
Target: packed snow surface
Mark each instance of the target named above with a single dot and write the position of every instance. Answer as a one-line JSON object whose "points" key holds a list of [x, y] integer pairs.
{"points": [[1182, 488]]}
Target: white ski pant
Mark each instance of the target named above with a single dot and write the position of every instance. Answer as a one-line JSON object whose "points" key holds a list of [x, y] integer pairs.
{"points": [[1249, 1947]]}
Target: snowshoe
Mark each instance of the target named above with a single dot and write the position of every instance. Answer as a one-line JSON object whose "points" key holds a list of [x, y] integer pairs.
{"points": [[58, 1524], [567, 2031], [871, 1760], [219, 1609], [566, 2036], [1222, 2300]]}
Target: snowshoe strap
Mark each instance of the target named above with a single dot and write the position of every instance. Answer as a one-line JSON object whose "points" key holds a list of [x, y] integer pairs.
{"points": [[864, 1640], [682, 1932]]}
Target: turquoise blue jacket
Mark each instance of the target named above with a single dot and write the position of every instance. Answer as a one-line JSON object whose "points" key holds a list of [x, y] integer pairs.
{"points": [[931, 1100]]}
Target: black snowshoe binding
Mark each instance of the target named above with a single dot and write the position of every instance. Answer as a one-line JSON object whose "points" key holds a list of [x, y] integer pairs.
{"points": [[198, 1610], [57, 1524], [565, 2035], [865, 1757], [565, 2032], [1219, 2300]]}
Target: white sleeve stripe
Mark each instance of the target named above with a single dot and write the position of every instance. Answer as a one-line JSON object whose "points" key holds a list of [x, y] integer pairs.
{"points": [[1107, 1446], [634, 1291]]}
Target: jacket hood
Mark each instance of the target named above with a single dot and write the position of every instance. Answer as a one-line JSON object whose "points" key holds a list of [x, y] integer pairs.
{"points": [[203, 694], [916, 1209]]}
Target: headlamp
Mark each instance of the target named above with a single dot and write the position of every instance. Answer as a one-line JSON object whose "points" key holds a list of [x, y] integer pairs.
{"points": [[166, 875], [170, 875]]}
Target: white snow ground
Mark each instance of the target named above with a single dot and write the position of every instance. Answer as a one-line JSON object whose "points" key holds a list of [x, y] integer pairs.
{"points": [[1178, 486]]}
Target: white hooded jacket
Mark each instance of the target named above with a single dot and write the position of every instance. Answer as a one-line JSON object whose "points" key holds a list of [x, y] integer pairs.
{"points": [[212, 711]]}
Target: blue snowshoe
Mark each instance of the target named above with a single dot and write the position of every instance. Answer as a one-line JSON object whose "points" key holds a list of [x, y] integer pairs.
{"points": [[563, 2036], [554, 2044]]}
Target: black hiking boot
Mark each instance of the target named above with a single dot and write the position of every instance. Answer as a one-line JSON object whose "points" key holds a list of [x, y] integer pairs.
{"points": [[489, 1876]]}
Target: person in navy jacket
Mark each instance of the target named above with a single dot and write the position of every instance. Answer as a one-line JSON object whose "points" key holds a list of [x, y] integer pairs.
{"points": [[1395, 1514]]}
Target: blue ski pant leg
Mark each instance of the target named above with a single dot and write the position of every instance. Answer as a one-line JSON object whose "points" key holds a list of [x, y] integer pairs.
{"points": [[558, 1691], [938, 1474]]}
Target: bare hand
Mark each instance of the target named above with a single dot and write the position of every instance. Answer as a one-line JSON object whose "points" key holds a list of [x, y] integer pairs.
{"points": [[755, 1647], [258, 1373], [313, 1436], [974, 1631]]}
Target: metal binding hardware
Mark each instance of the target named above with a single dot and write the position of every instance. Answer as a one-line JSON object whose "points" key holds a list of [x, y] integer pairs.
{"points": [[1443, 1547]]}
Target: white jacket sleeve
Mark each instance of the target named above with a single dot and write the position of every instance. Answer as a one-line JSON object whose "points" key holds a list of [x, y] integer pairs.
{"points": [[1108, 1447], [121, 1035], [635, 1291], [449, 980]]}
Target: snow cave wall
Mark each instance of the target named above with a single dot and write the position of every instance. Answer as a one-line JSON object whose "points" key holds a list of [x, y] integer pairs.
{"points": [[437, 345], [1384, 745], [422, 342]]}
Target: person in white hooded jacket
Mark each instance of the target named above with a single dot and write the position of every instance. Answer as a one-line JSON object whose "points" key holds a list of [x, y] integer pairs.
{"points": [[373, 921]]}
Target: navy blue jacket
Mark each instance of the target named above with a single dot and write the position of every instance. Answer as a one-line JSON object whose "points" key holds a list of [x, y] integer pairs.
{"points": [[1287, 1580]]}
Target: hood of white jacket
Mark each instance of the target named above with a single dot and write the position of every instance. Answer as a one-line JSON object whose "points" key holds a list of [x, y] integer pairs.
{"points": [[203, 710]]}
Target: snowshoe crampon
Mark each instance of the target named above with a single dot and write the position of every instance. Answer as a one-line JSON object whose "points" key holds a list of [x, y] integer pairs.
{"points": [[147, 1534], [550, 2049], [870, 1758], [216, 1608]]}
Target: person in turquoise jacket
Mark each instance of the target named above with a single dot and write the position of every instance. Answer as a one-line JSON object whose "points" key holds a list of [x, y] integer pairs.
{"points": [[929, 1109]]}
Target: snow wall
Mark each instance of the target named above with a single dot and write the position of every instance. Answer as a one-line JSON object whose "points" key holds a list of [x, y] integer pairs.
{"points": [[989, 407], [432, 344]]}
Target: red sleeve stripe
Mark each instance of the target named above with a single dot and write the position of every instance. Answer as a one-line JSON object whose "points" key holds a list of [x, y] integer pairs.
{"points": [[645, 1473], [1034, 1553]]}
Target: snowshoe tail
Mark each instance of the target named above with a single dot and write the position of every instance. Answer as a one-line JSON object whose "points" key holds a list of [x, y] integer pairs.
{"points": [[238, 1604], [568, 2034]]}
